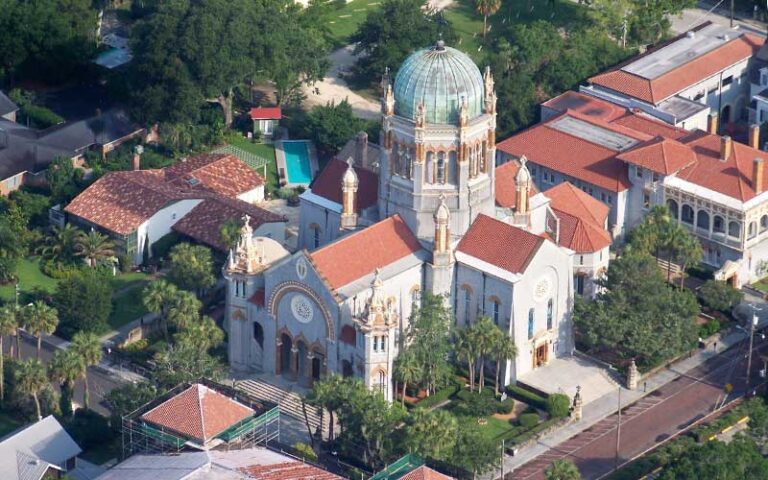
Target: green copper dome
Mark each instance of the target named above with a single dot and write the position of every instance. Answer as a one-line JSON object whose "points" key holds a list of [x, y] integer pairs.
{"points": [[440, 76]]}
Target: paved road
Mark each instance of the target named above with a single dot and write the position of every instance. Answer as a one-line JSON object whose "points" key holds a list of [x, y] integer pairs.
{"points": [[695, 16], [100, 383], [650, 420]]}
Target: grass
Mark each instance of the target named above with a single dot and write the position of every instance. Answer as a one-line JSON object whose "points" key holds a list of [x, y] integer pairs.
{"points": [[129, 279], [30, 277], [128, 306], [762, 285], [264, 150], [8, 424], [343, 22]]}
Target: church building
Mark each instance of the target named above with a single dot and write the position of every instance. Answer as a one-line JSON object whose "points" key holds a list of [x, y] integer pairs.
{"points": [[429, 214]]}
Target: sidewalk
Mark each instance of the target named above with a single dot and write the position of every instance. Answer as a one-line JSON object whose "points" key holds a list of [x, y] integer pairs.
{"points": [[607, 405]]}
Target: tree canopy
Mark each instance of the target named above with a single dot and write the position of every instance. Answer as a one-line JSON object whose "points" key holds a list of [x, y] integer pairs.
{"points": [[429, 340], [84, 302]]}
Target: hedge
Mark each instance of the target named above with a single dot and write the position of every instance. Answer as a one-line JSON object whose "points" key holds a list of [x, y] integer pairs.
{"points": [[529, 420], [528, 397], [525, 436], [439, 396]]}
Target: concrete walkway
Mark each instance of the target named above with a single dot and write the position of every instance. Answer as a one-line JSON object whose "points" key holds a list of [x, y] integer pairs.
{"points": [[607, 404]]}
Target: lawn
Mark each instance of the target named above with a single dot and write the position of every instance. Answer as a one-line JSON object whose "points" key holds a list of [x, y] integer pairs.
{"points": [[129, 279], [128, 306], [343, 22], [263, 150], [8, 424], [30, 277]]}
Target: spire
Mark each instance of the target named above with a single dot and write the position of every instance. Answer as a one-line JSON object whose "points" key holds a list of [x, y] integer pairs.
{"points": [[442, 217], [376, 309], [442, 213], [349, 186], [522, 188], [490, 91], [245, 256]]}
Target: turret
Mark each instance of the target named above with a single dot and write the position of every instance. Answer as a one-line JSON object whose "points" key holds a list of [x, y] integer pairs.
{"points": [[349, 186], [523, 188]]}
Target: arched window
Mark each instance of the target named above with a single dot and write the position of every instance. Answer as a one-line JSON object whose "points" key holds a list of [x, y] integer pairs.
{"points": [[315, 235], [467, 304], [718, 224], [763, 223], [530, 323], [702, 220], [409, 163], [453, 168], [440, 177], [672, 206], [734, 229], [430, 166], [258, 334], [496, 310], [752, 230], [550, 313], [687, 214], [395, 168], [382, 382]]}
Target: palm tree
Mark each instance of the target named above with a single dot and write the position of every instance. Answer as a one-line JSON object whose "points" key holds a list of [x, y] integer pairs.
{"points": [[687, 251], [39, 318], [60, 244], [487, 8], [158, 297], [201, 335], [562, 470], [503, 349], [31, 380], [8, 326], [486, 339], [431, 433], [65, 367], [94, 247], [466, 347], [87, 347], [184, 309], [407, 370], [328, 394]]}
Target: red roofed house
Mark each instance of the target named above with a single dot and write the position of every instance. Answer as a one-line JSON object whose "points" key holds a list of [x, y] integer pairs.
{"points": [[194, 197], [705, 70], [265, 120]]}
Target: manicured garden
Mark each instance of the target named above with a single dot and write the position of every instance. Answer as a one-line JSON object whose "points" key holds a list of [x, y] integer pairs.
{"points": [[30, 279]]}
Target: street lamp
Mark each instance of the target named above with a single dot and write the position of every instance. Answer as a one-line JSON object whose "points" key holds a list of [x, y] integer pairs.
{"points": [[751, 343]]}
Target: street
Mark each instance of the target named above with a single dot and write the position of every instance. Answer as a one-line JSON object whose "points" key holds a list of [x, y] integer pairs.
{"points": [[652, 419], [100, 383]]}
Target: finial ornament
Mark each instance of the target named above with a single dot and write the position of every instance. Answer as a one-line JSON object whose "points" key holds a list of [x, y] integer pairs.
{"points": [[421, 114], [463, 112]]}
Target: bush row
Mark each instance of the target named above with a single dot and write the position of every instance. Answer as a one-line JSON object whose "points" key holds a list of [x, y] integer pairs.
{"points": [[528, 397]]}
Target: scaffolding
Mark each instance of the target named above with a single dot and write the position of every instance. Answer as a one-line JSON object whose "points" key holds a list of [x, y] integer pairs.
{"points": [[399, 468], [140, 436]]}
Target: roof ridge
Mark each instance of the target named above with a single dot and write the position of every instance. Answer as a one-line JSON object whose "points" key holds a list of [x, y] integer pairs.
{"points": [[200, 394]]}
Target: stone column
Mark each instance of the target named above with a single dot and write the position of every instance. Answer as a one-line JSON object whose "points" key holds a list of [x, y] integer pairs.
{"points": [[310, 378], [577, 405], [278, 357], [294, 362], [633, 376]]}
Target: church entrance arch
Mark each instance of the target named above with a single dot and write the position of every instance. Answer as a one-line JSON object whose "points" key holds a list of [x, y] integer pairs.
{"points": [[286, 345]]}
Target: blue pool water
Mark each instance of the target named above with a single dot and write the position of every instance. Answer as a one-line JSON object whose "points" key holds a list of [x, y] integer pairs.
{"points": [[297, 161]]}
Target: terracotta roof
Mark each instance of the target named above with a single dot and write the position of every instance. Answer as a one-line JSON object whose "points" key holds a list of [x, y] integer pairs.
{"points": [[567, 198], [203, 223], [222, 173], [505, 186], [258, 297], [266, 113], [500, 244], [327, 184], [121, 201], [731, 177], [291, 470], [660, 155], [642, 123], [571, 155], [586, 105], [362, 252], [425, 473], [199, 413], [686, 75], [581, 236]]}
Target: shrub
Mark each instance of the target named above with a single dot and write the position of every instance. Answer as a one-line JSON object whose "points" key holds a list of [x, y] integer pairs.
{"points": [[440, 395], [163, 245], [477, 404], [305, 451], [502, 408], [719, 295], [125, 263], [528, 420], [710, 328], [40, 117], [526, 396], [558, 405]]}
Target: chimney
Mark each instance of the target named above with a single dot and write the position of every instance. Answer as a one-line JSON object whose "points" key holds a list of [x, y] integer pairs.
{"points": [[757, 175], [726, 146], [754, 136], [712, 123], [361, 149], [136, 162]]}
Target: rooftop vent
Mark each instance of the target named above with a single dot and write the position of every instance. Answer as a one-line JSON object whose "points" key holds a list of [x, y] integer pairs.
{"points": [[192, 181]]}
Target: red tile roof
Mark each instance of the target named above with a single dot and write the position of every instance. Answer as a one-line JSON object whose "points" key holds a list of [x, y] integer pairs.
{"points": [[660, 155], [731, 177], [203, 223], [572, 156], [586, 105], [582, 218], [505, 185], [199, 413], [266, 113], [581, 236], [500, 244], [222, 173], [686, 75], [121, 201], [640, 122], [425, 473], [567, 198], [291, 470], [362, 252], [328, 184]]}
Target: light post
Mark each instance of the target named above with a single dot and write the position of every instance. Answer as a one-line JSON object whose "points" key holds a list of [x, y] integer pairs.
{"points": [[751, 344]]}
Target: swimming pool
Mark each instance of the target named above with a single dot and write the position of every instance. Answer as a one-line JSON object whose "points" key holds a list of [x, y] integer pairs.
{"points": [[297, 162]]}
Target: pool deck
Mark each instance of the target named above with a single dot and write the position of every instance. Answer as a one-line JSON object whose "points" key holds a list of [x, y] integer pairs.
{"points": [[282, 169]]}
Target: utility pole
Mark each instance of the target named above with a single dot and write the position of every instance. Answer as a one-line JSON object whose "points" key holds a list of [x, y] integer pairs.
{"points": [[502, 459], [751, 343], [618, 436], [732, 11]]}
